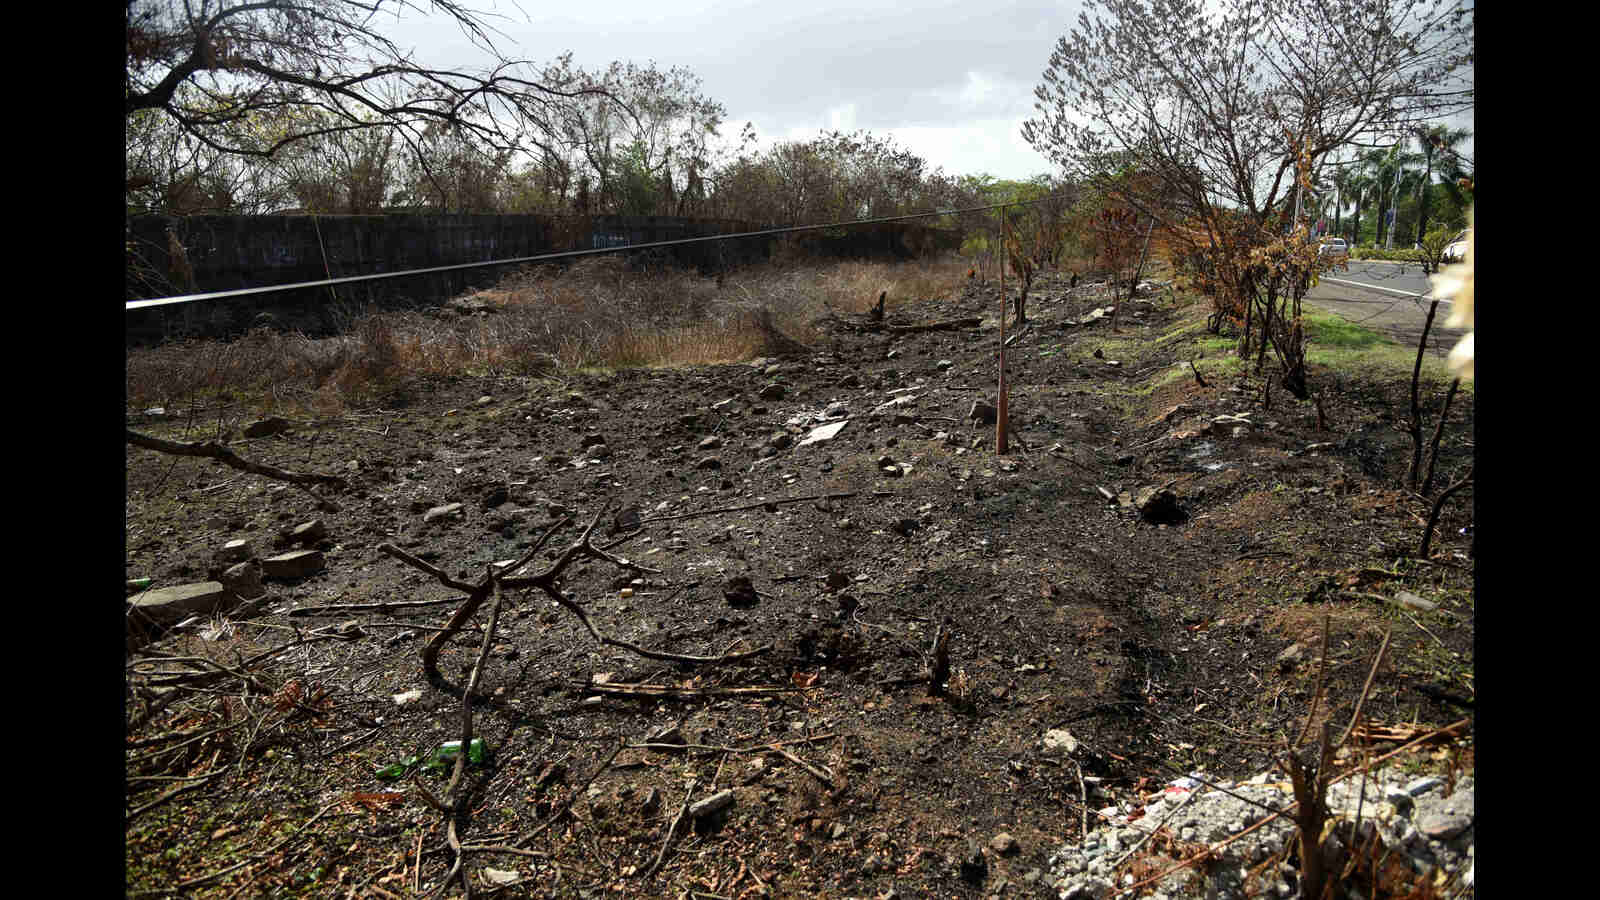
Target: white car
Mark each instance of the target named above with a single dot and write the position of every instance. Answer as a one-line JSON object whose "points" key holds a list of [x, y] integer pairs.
{"points": [[1334, 247], [1456, 251]]}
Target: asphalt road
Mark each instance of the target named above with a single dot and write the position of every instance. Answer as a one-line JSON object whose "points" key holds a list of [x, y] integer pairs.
{"points": [[1386, 297]]}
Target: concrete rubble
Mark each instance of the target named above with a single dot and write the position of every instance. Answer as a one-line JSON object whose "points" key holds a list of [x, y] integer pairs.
{"points": [[1428, 825]]}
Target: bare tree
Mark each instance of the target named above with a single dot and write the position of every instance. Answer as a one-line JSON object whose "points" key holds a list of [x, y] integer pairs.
{"points": [[1230, 109], [1217, 103], [249, 78]]}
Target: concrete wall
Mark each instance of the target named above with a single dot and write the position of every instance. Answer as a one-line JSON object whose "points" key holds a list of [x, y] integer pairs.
{"points": [[228, 252]]}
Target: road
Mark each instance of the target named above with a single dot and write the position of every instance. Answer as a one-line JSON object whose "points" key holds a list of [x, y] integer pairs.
{"points": [[1385, 297]]}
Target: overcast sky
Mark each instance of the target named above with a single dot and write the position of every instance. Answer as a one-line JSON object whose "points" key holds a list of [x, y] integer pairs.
{"points": [[951, 81]]}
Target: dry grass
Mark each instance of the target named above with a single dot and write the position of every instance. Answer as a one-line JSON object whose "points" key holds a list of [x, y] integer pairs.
{"points": [[600, 313]]}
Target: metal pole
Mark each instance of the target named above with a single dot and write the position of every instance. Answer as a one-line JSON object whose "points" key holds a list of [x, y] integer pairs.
{"points": [[1394, 201], [1001, 406]]}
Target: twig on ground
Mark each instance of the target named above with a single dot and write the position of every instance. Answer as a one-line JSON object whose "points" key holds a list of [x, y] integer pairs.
{"points": [[821, 774], [384, 606], [167, 796], [1425, 630], [719, 748], [558, 812], [253, 857], [665, 841], [1148, 835], [1366, 688], [745, 506], [1084, 793], [667, 690]]}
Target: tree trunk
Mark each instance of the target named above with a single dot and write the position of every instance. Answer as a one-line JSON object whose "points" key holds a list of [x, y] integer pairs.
{"points": [[1422, 203]]}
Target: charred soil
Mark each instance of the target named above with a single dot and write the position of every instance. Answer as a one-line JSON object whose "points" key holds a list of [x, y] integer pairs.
{"points": [[1160, 646]]}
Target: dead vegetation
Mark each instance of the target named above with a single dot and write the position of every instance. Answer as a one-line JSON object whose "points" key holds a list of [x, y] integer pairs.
{"points": [[599, 313]]}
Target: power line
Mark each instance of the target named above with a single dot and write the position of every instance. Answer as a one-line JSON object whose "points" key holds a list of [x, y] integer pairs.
{"points": [[544, 257]]}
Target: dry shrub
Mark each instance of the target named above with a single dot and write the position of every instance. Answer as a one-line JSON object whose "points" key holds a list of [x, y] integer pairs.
{"points": [[600, 312]]}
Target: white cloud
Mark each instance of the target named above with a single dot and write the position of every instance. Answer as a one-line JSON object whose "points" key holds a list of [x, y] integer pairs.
{"points": [[993, 146], [949, 80], [977, 90]]}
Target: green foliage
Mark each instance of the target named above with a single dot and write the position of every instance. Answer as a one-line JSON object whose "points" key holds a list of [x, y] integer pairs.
{"points": [[638, 190], [1331, 331], [1395, 255]]}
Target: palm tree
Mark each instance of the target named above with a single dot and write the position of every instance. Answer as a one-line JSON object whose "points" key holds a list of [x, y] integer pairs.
{"points": [[1387, 168], [1360, 185], [1437, 141], [1341, 182]]}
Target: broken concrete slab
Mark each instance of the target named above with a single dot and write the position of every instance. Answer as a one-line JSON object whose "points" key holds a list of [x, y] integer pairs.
{"points": [[296, 564], [439, 512], [824, 433], [170, 605], [236, 551], [244, 580]]}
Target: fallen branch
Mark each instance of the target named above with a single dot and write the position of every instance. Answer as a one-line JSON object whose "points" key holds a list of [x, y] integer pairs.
{"points": [[385, 606], [219, 452], [743, 507], [476, 594], [133, 814], [719, 748], [683, 657], [572, 797], [819, 773], [667, 690], [947, 325]]}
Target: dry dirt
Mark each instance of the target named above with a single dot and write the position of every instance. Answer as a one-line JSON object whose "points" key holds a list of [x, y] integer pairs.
{"points": [[1156, 645]]}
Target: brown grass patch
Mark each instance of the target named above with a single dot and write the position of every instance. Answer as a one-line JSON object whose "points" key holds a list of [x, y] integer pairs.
{"points": [[1302, 624], [1252, 508], [600, 313]]}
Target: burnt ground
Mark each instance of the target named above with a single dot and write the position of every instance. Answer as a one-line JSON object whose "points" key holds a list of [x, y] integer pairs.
{"points": [[1156, 645]]}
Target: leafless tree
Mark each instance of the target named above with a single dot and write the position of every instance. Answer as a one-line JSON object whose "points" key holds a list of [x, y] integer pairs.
{"points": [[1227, 110], [1215, 99], [249, 78]]}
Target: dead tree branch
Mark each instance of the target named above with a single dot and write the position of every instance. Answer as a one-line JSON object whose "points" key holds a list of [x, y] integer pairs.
{"points": [[1438, 432], [219, 452], [1414, 426], [1433, 515]]}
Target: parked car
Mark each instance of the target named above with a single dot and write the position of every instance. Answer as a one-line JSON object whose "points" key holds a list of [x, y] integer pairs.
{"points": [[1456, 250], [1335, 248]]}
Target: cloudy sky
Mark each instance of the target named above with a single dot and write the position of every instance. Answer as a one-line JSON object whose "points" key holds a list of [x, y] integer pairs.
{"points": [[951, 81]]}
